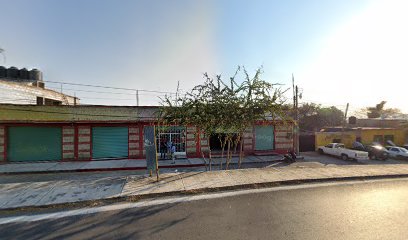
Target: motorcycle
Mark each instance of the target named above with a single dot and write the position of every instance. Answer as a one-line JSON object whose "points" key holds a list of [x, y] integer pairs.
{"points": [[290, 157]]}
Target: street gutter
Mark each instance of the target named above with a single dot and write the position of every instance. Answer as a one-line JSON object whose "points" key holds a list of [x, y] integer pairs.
{"points": [[136, 198]]}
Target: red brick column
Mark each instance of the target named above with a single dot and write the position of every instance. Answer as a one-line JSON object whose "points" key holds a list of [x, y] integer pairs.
{"points": [[191, 144], [283, 137], [84, 143], [3, 144], [68, 143], [134, 142], [248, 139]]}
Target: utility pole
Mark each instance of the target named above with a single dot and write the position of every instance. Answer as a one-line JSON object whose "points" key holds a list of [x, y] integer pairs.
{"points": [[297, 120], [137, 98], [344, 122], [296, 109]]}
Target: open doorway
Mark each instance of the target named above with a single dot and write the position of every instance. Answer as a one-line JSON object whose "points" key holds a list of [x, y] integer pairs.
{"points": [[215, 143]]}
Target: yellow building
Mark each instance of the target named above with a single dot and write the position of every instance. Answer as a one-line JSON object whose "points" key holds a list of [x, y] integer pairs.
{"points": [[365, 135]]}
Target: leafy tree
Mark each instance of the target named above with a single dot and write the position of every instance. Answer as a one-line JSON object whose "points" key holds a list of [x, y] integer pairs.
{"points": [[226, 109], [313, 117], [375, 112], [380, 111]]}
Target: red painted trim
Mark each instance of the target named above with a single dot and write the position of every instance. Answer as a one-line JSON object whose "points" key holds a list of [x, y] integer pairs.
{"points": [[68, 135], [198, 142], [274, 137], [5, 143], [84, 151], [90, 142], [76, 143], [84, 135], [133, 141], [141, 142], [68, 151], [68, 143], [253, 138], [128, 141]]}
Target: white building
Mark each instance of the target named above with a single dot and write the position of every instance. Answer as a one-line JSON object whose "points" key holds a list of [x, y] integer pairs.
{"points": [[27, 87]]}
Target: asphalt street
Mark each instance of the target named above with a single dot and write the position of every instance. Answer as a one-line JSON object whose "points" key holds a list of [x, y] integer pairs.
{"points": [[357, 210]]}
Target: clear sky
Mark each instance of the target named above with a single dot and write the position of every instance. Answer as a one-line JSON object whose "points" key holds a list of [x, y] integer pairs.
{"points": [[352, 51]]}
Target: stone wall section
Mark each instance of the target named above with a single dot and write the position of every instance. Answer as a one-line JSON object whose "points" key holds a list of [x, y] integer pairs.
{"points": [[283, 137], [68, 143], [134, 142], [2, 143], [84, 143]]}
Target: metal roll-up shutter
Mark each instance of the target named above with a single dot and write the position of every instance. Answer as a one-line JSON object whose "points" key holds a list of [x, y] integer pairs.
{"points": [[34, 144], [264, 138], [109, 142]]}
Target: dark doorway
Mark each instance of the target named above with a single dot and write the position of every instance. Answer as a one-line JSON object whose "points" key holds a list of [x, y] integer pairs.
{"points": [[215, 142], [307, 143]]}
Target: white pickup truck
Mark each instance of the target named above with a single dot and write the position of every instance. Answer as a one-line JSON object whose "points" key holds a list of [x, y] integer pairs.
{"points": [[338, 150]]}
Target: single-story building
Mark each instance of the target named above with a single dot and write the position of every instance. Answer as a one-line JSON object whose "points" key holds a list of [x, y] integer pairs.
{"points": [[83, 133], [365, 135]]}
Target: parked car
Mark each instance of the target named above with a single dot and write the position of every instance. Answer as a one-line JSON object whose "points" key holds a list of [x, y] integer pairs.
{"points": [[398, 152], [377, 152], [338, 149]]}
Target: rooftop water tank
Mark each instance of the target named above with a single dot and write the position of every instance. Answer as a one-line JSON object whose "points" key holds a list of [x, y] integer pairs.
{"points": [[12, 72], [24, 74], [3, 72], [35, 74]]}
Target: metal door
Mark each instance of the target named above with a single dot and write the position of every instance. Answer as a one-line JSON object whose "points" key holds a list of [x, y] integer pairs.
{"points": [[34, 144], [110, 142], [264, 138]]}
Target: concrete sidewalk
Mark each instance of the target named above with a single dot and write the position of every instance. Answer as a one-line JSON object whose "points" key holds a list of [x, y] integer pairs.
{"points": [[85, 192], [112, 165]]}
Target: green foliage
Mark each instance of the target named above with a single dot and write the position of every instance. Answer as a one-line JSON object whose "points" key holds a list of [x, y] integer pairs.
{"points": [[219, 107], [375, 112], [313, 117], [380, 111], [224, 108]]}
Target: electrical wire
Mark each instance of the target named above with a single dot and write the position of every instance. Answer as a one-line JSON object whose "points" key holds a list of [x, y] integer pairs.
{"points": [[108, 87]]}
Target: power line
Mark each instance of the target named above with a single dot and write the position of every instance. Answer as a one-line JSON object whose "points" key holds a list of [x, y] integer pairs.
{"points": [[99, 86]]}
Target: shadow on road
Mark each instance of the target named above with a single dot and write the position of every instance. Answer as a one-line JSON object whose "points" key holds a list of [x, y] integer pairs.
{"points": [[102, 226]]}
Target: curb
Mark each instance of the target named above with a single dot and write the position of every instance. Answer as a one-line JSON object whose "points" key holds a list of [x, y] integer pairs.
{"points": [[134, 198], [101, 169]]}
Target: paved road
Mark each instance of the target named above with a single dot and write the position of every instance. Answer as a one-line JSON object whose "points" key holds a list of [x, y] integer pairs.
{"points": [[370, 210]]}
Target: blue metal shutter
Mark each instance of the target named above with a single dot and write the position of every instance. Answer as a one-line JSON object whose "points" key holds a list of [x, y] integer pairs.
{"points": [[264, 138], [109, 142], [34, 144]]}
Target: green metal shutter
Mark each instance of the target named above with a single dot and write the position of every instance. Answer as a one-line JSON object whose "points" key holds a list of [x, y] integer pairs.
{"points": [[34, 144], [264, 138], [109, 142]]}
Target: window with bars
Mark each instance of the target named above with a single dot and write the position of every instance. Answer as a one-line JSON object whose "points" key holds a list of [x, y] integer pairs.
{"points": [[174, 135]]}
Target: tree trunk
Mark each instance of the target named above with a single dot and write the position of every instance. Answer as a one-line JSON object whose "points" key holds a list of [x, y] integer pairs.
{"points": [[209, 153], [222, 152], [241, 149], [228, 154]]}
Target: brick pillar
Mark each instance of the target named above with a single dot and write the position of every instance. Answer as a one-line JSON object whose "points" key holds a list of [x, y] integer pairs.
{"points": [[134, 142], [68, 143], [2, 144], [283, 137], [204, 144], [84, 143], [191, 145], [248, 139]]}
